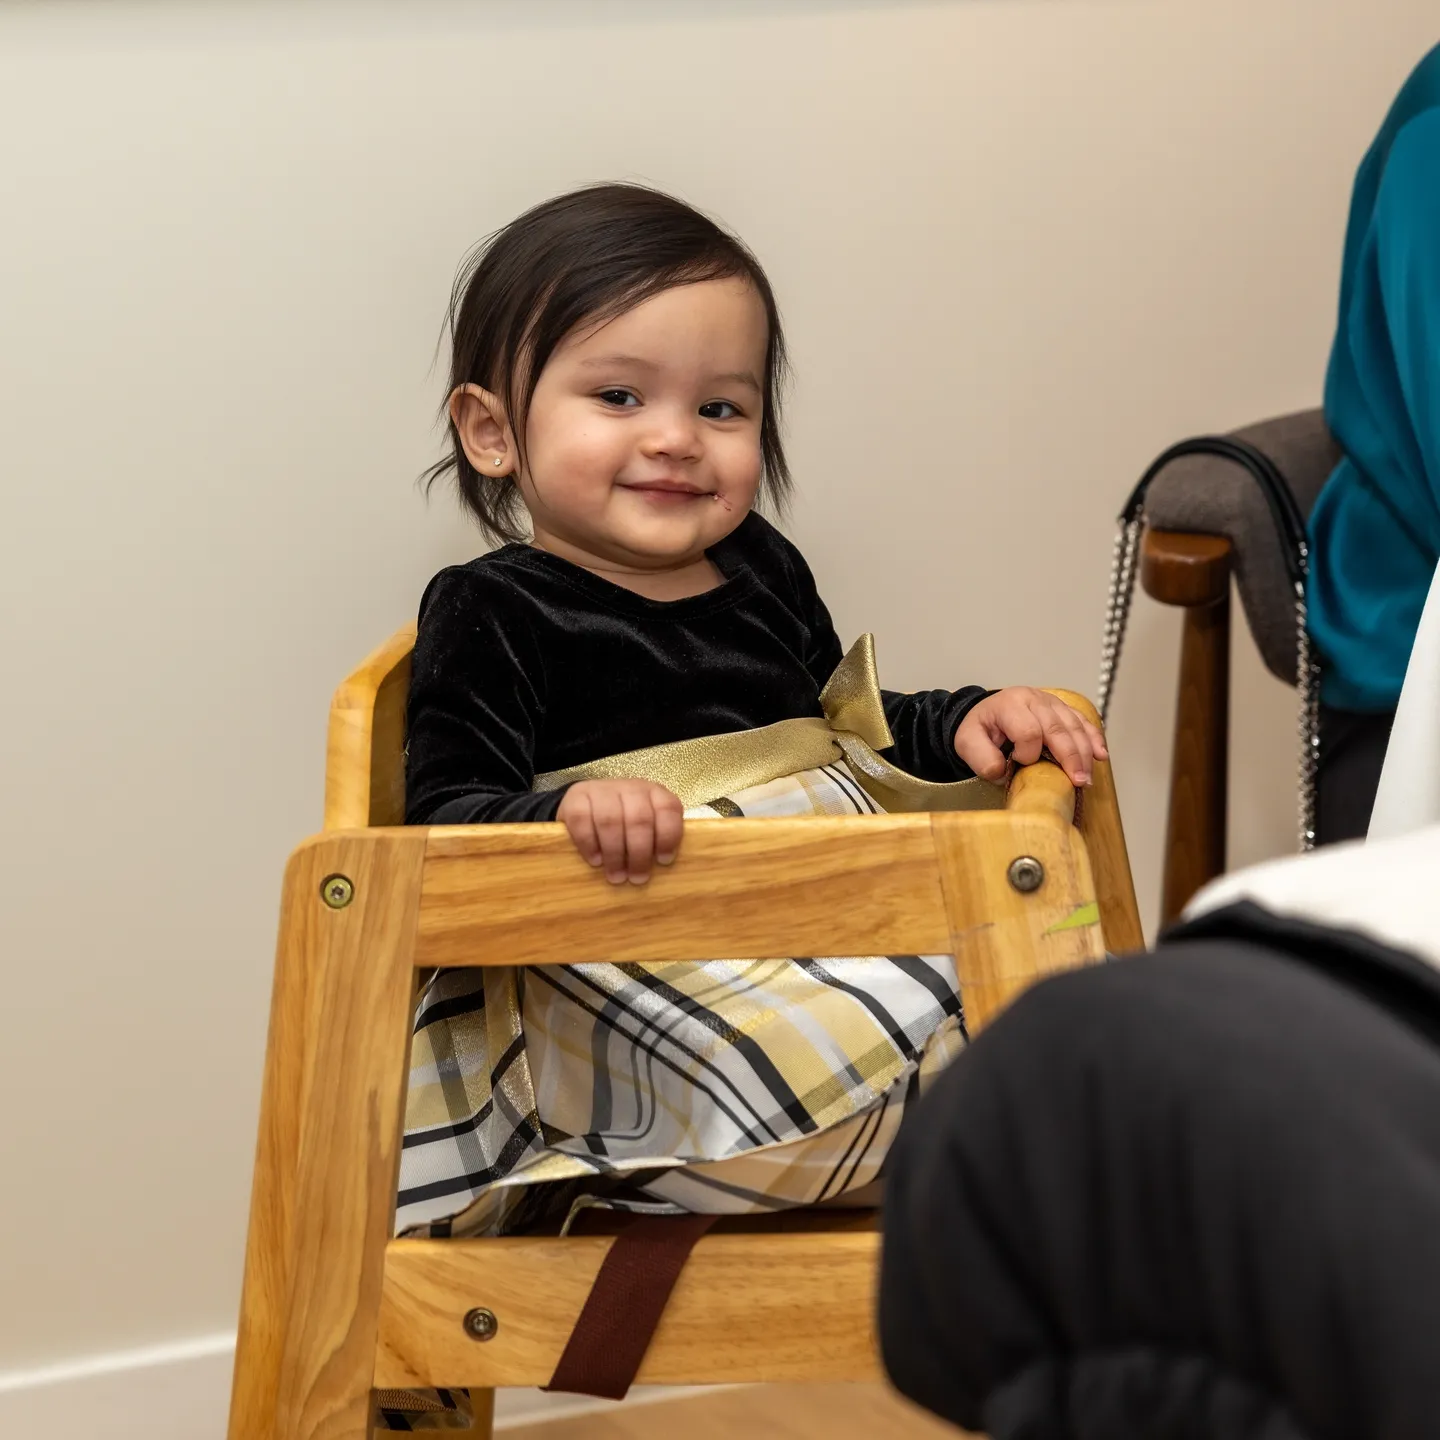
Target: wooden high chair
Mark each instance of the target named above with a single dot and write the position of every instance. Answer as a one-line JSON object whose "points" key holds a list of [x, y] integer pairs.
{"points": [[335, 1309]]}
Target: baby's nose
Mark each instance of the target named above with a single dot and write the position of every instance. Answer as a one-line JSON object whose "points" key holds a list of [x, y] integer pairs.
{"points": [[675, 434]]}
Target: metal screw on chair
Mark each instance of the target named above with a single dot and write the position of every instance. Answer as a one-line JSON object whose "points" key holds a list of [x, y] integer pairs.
{"points": [[1026, 874], [480, 1324], [337, 891]]}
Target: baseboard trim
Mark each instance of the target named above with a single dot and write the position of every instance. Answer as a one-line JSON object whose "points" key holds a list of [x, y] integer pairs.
{"points": [[180, 1390], [531, 1407], [117, 1362]]}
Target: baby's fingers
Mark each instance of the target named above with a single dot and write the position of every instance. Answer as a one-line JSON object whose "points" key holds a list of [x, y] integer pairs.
{"points": [[974, 745], [609, 820], [1067, 741], [669, 822], [1098, 746], [639, 814], [579, 820], [1027, 733]]}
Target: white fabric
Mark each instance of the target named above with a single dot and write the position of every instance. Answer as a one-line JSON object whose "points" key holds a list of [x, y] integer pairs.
{"points": [[1386, 886], [1387, 889], [1409, 794]]}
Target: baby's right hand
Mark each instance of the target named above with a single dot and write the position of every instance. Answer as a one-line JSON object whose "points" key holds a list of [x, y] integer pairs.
{"points": [[624, 825]]}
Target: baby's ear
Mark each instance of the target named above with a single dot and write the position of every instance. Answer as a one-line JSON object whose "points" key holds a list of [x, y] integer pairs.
{"points": [[480, 422]]}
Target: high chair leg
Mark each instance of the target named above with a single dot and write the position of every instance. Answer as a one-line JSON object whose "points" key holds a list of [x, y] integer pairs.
{"points": [[482, 1427], [323, 1203]]}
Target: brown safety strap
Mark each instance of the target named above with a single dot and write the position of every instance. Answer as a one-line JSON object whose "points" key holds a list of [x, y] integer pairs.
{"points": [[620, 1315]]}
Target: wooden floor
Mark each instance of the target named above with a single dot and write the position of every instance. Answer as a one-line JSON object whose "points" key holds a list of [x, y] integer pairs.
{"points": [[767, 1412]]}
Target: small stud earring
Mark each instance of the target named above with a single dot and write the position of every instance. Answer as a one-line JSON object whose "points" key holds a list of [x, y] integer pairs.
{"points": [[497, 459]]}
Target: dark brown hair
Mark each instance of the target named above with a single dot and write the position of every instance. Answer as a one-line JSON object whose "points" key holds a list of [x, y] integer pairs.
{"points": [[587, 256]]}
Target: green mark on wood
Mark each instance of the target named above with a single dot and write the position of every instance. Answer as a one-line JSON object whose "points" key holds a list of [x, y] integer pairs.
{"points": [[1077, 919]]}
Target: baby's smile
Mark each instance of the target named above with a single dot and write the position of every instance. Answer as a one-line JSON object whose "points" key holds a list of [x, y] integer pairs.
{"points": [[667, 491]]}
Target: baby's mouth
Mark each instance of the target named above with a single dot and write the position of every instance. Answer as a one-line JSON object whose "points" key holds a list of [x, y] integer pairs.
{"points": [[668, 490]]}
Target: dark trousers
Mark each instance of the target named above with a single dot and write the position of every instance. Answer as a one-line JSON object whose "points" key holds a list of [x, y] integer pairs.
{"points": [[1352, 753], [1183, 1196]]}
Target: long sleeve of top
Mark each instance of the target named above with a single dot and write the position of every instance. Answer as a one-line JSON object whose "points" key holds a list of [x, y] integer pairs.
{"points": [[525, 664]]}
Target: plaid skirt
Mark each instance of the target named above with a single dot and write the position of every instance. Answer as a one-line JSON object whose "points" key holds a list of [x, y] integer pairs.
{"points": [[722, 1087]]}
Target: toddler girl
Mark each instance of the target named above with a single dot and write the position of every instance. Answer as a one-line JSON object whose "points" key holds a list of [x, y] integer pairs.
{"points": [[648, 649]]}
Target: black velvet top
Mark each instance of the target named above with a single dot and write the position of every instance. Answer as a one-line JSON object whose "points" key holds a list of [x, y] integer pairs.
{"points": [[525, 663]]}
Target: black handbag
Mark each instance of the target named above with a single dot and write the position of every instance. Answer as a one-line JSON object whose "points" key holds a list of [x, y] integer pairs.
{"points": [[1294, 547]]}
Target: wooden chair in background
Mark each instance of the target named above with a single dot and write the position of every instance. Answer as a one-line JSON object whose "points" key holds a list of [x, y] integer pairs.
{"points": [[1206, 523], [334, 1308]]}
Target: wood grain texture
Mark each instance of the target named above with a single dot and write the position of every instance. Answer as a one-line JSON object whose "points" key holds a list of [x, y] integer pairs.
{"points": [[1194, 571], [1104, 834], [1004, 940], [1200, 765], [1041, 790], [328, 1155], [748, 1307], [776, 1412], [521, 895], [365, 741], [1177, 568]]}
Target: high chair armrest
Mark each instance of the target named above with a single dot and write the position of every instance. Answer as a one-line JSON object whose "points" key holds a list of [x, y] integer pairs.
{"points": [[365, 779], [944, 883]]}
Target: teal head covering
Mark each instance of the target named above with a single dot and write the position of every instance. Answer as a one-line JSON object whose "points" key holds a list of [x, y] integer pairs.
{"points": [[1375, 530]]}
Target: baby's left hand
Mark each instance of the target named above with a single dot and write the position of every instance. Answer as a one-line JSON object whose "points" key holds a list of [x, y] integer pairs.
{"points": [[1033, 721]]}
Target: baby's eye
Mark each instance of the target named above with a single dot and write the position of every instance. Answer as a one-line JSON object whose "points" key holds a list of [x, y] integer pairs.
{"points": [[719, 410], [619, 398]]}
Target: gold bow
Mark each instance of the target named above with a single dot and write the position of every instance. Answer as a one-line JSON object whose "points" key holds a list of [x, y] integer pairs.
{"points": [[854, 729]]}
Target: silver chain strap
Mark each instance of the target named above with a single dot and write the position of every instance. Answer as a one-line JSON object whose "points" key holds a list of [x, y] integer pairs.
{"points": [[1307, 684], [1123, 574], [1117, 612]]}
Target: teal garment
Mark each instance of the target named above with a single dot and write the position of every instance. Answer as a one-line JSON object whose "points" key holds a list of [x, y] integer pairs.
{"points": [[1375, 529]]}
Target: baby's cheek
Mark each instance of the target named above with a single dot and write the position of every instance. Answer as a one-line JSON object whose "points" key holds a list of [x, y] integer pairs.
{"points": [[739, 475]]}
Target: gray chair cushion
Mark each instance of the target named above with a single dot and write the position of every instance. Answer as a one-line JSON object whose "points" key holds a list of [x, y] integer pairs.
{"points": [[1205, 494]]}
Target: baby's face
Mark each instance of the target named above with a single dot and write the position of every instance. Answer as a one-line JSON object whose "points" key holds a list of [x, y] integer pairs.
{"points": [[642, 444]]}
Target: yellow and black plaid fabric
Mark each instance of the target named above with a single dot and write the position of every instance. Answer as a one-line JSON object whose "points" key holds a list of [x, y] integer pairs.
{"points": [[729, 1086]]}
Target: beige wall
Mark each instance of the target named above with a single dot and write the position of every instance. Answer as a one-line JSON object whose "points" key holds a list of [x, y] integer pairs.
{"points": [[1020, 246]]}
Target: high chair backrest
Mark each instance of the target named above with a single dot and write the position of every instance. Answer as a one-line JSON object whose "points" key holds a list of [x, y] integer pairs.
{"points": [[365, 746]]}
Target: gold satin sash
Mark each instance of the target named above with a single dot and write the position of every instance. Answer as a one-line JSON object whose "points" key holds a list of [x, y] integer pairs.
{"points": [[853, 729]]}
